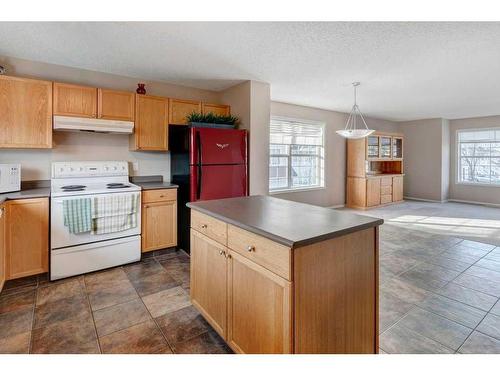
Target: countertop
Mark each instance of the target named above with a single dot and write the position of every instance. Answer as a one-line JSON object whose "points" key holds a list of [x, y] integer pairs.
{"points": [[156, 185], [42, 192], [375, 175], [289, 223]]}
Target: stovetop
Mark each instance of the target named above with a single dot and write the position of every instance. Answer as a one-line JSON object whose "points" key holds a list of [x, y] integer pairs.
{"points": [[88, 178]]}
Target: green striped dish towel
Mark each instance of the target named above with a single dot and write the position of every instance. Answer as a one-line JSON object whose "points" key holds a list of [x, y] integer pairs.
{"points": [[114, 213], [77, 215]]}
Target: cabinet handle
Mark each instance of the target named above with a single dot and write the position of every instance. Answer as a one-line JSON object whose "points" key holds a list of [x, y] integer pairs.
{"points": [[204, 226], [161, 196], [228, 256], [221, 252], [250, 248]]}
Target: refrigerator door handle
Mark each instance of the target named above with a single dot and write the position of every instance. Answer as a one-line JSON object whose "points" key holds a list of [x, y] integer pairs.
{"points": [[198, 182]]}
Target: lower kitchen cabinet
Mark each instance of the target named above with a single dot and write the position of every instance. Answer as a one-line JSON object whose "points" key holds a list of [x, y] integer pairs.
{"points": [[159, 219], [209, 280], [248, 305], [26, 237], [259, 309], [2, 246]]}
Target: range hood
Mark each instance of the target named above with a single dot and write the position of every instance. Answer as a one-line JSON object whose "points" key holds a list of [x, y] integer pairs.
{"points": [[92, 125]]}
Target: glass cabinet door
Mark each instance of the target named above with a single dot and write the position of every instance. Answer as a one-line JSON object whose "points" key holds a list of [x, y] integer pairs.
{"points": [[397, 148], [385, 147], [372, 150]]}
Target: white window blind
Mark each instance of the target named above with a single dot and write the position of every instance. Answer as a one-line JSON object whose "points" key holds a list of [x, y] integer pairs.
{"points": [[479, 156], [296, 154]]}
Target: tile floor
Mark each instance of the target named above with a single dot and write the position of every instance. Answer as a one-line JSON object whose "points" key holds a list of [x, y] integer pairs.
{"points": [[139, 308], [438, 294]]}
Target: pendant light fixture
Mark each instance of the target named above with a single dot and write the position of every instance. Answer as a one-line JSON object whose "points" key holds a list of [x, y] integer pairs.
{"points": [[351, 131]]}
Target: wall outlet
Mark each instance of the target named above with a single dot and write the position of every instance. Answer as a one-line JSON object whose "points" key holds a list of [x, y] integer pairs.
{"points": [[135, 166]]}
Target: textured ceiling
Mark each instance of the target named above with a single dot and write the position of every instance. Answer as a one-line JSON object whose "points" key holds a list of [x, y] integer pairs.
{"points": [[407, 70]]}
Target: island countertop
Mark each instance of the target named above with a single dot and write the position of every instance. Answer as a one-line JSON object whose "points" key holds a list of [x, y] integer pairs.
{"points": [[289, 223]]}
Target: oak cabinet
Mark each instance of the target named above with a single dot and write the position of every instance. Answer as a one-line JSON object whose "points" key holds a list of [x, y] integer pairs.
{"points": [[397, 189], [25, 113], [159, 219], [209, 280], [216, 109], [178, 110], [115, 105], [259, 310], [372, 164], [74, 100], [151, 124], [2, 246], [26, 237], [372, 192]]}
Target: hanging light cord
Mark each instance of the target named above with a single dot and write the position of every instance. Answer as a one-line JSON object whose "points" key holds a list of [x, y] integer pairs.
{"points": [[351, 120]]}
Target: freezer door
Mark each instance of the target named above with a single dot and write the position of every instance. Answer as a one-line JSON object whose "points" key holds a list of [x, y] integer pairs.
{"points": [[218, 146], [218, 181]]}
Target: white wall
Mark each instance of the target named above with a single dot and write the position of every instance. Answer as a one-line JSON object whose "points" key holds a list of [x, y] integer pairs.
{"points": [[423, 159], [335, 152], [482, 194], [35, 164]]}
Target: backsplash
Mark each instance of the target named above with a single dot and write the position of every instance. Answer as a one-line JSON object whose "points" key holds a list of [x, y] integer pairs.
{"points": [[75, 146]]}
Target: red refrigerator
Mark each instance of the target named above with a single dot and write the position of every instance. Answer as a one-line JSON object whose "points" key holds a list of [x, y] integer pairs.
{"points": [[206, 163]]}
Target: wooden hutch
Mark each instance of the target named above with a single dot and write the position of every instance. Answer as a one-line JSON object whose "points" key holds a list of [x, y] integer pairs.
{"points": [[375, 170]]}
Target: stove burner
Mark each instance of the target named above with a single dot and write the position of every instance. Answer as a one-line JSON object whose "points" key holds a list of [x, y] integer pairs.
{"points": [[73, 188], [115, 184]]}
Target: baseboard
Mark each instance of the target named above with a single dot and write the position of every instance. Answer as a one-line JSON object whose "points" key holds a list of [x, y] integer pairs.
{"points": [[496, 205], [426, 200], [337, 206]]}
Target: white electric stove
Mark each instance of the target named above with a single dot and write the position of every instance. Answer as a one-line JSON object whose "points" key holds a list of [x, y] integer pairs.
{"points": [[74, 254]]}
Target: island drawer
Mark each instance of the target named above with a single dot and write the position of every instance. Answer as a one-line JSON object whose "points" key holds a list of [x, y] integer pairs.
{"points": [[160, 195], [209, 226], [268, 254]]}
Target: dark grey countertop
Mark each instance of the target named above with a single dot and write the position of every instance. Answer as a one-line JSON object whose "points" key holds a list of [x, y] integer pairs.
{"points": [[289, 223], [152, 182], [156, 185], [42, 192]]}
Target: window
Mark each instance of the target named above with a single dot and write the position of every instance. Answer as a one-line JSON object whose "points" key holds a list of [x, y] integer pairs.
{"points": [[296, 154], [479, 156]]}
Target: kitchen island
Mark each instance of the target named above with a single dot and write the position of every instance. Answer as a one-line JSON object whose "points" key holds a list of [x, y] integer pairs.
{"points": [[275, 276]]}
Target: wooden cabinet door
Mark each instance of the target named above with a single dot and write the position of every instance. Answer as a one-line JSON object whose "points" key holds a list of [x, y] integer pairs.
{"points": [[209, 280], [159, 225], [372, 192], [2, 246], [216, 109], [178, 110], [25, 113], [151, 123], [26, 234], [74, 100], [259, 309], [115, 105], [397, 188]]}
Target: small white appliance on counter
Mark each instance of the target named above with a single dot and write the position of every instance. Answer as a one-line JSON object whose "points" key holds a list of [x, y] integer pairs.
{"points": [[10, 177], [77, 253]]}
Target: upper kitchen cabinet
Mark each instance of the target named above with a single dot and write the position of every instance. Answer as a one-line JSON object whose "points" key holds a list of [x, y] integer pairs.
{"points": [[74, 100], [25, 113], [115, 105], [151, 124], [216, 109], [179, 109]]}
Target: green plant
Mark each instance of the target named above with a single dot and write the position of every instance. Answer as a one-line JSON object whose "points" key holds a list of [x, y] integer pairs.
{"points": [[212, 118]]}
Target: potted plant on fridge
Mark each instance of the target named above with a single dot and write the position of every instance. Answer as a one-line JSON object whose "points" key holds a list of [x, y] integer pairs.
{"points": [[212, 120]]}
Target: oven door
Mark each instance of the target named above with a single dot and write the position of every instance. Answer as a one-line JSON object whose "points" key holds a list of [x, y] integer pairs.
{"points": [[61, 237]]}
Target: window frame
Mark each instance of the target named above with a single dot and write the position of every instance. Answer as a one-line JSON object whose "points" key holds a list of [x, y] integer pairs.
{"points": [[458, 173], [289, 155]]}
